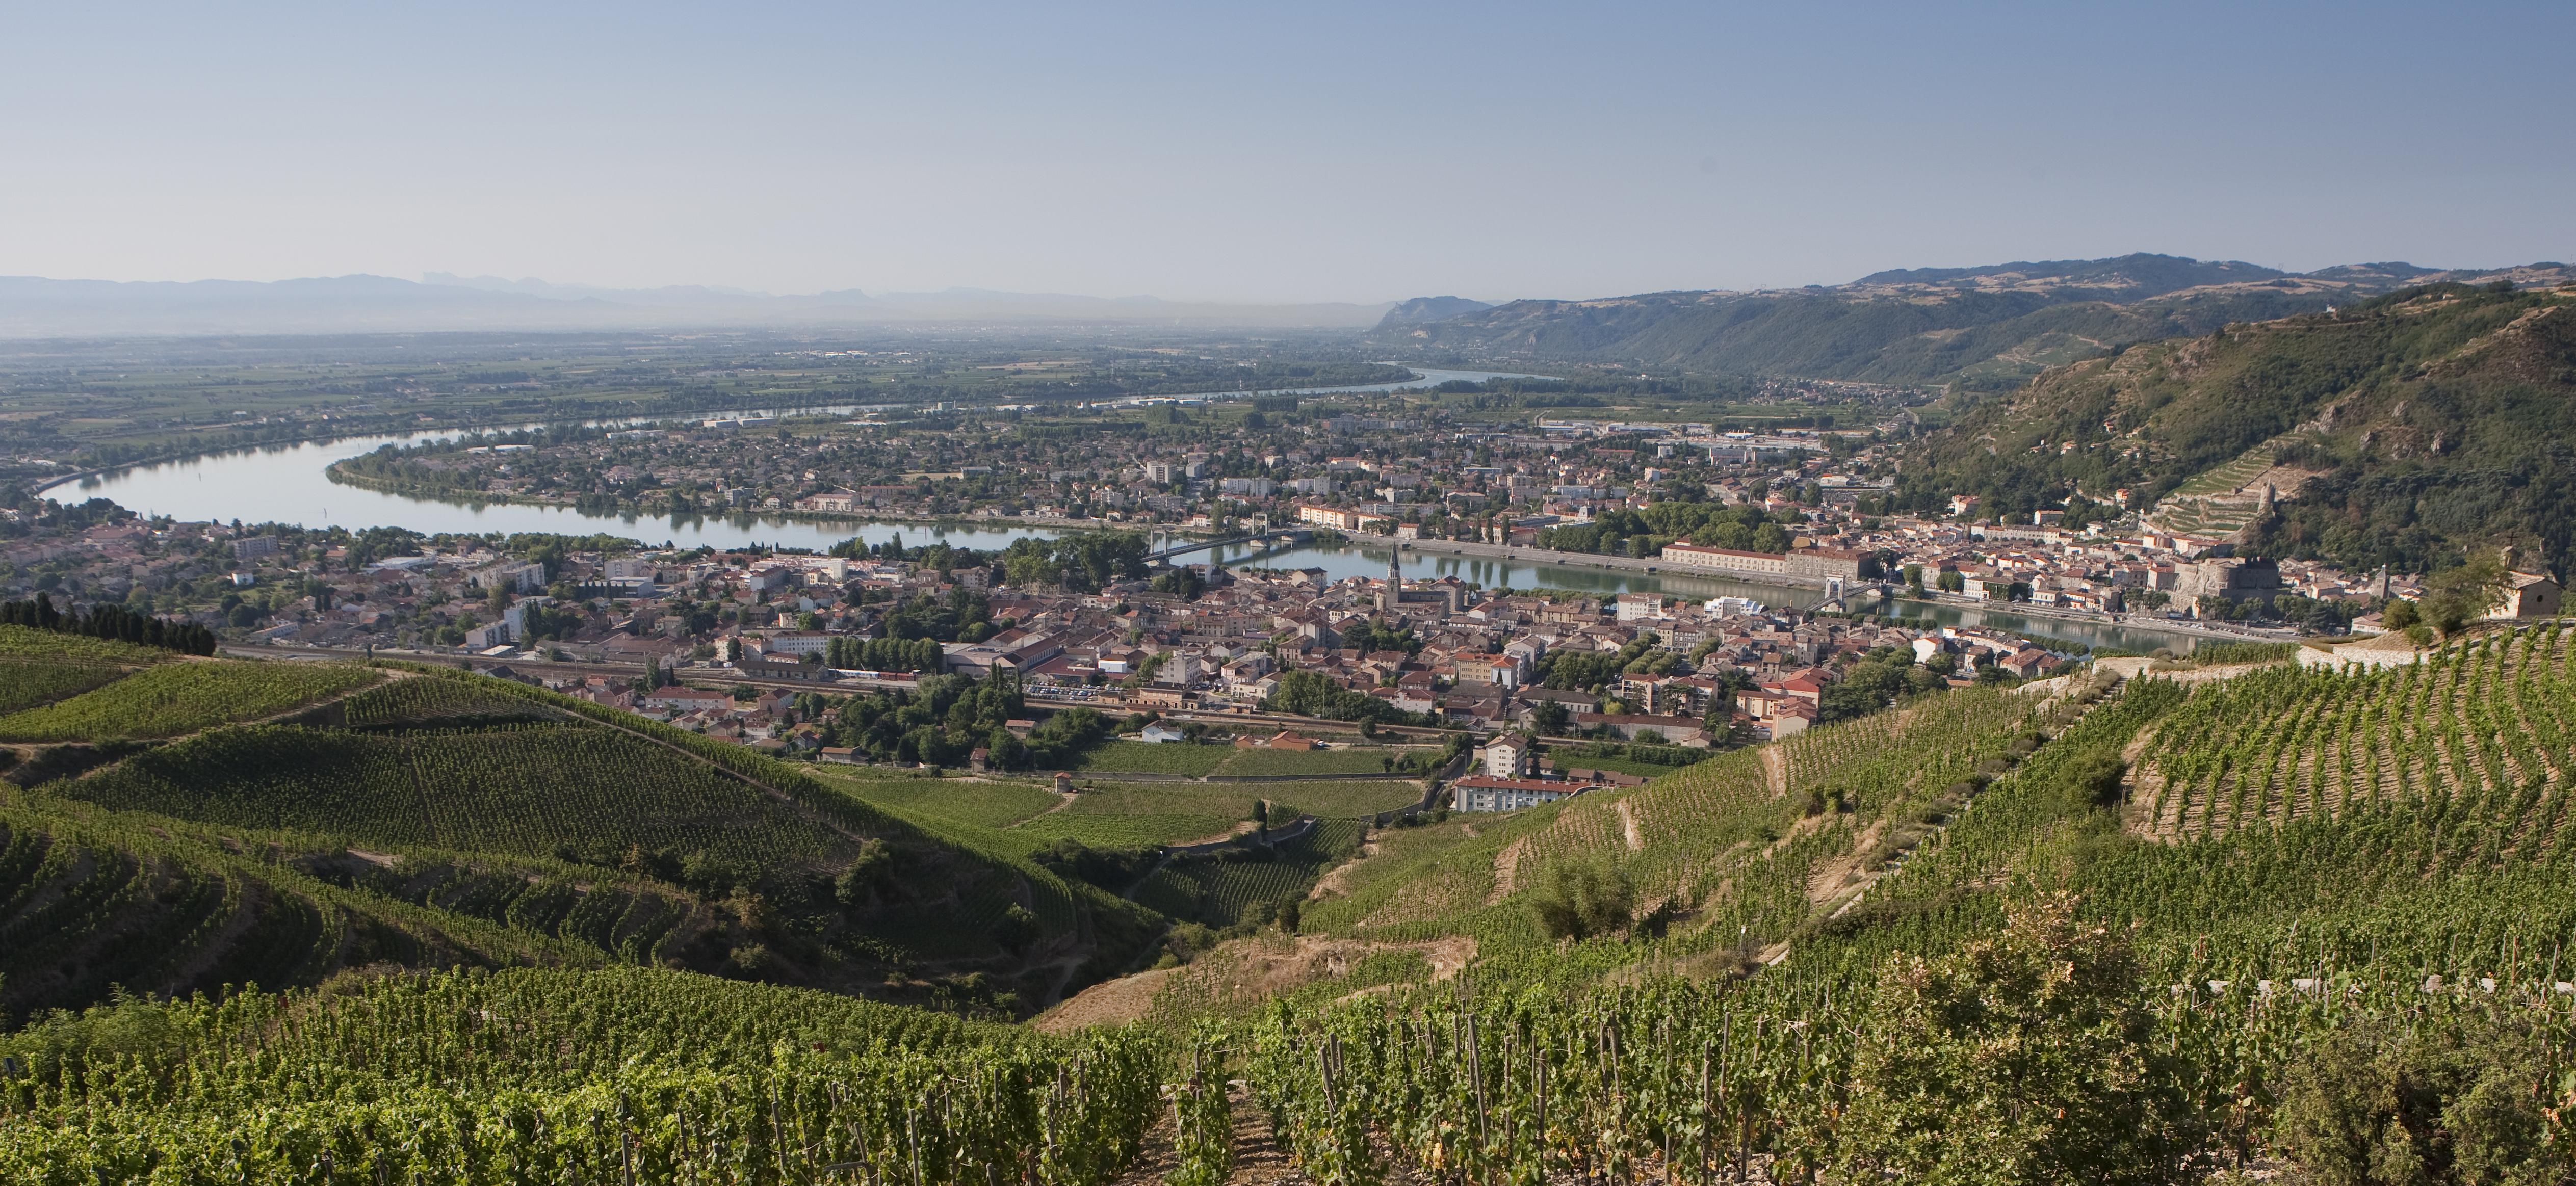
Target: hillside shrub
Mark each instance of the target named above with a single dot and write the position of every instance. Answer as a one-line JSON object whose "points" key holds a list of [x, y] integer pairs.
{"points": [[1585, 898], [2025, 1057]]}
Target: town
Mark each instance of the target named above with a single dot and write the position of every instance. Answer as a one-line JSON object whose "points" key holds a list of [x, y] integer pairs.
{"points": [[1112, 599]]}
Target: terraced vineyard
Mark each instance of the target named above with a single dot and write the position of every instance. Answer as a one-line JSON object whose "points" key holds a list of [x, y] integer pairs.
{"points": [[1744, 831], [88, 903], [2288, 743], [178, 698], [2403, 927]]}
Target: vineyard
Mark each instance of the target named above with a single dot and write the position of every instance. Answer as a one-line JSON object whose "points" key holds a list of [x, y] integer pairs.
{"points": [[28, 683], [2206, 924], [1761, 823], [1354, 800], [438, 819], [177, 698], [436, 703], [1111, 758], [1143, 814], [1219, 889], [2234, 980], [27, 642], [1139, 757], [528, 790], [979, 804], [89, 903], [2286, 743], [556, 1076], [1352, 760]]}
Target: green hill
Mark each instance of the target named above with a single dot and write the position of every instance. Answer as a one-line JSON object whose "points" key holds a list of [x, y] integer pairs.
{"points": [[1987, 329], [2403, 430], [439, 819], [2139, 930]]}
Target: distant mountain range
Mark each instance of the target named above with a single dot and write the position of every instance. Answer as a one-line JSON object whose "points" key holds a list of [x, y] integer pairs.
{"points": [[1983, 328], [1426, 309], [37, 307]]}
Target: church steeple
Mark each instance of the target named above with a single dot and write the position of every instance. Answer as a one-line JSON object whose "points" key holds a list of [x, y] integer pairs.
{"points": [[1388, 597]]}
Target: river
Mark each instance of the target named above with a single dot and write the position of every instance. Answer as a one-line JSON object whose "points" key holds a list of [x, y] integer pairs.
{"points": [[288, 484]]}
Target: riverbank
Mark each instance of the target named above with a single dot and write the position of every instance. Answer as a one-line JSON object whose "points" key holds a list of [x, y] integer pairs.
{"points": [[400, 489], [2179, 626], [1563, 559]]}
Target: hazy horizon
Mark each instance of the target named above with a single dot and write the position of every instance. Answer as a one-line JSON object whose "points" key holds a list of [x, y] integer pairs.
{"points": [[1322, 154]]}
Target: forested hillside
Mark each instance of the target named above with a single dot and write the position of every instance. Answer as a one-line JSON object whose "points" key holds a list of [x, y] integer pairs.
{"points": [[1975, 329], [2403, 430]]}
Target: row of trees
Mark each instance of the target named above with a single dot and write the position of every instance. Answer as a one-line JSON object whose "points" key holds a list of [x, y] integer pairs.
{"points": [[949, 717], [110, 621]]}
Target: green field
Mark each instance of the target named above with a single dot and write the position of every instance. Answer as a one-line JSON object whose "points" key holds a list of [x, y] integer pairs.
{"points": [[1340, 800], [1622, 765], [982, 804], [1139, 757], [1141, 815], [176, 698], [1354, 760]]}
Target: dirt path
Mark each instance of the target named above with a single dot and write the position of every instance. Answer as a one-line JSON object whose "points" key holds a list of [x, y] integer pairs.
{"points": [[1628, 826], [2140, 787], [1336, 881], [1110, 1002], [1775, 770], [1507, 867], [1258, 1158], [1254, 969]]}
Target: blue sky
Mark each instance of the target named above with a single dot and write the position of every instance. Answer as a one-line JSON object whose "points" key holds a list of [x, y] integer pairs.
{"points": [[1286, 152]]}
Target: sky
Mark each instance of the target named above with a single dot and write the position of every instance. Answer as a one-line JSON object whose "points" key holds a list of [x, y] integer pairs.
{"points": [[1272, 153]]}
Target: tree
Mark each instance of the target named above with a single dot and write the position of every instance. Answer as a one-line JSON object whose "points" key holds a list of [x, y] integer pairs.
{"points": [[2024, 1058], [2455, 597]]}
